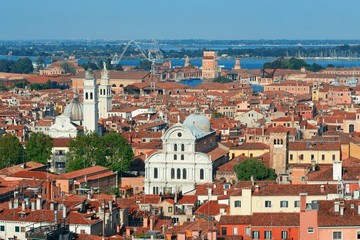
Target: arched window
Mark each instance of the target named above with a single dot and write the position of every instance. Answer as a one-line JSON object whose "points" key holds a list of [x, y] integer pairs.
{"points": [[182, 147], [175, 147], [278, 141], [274, 141], [178, 173], [155, 173], [351, 128], [184, 173], [172, 173], [91, 95], [182, 157], [86, 95], [201, 174], [282, 142], [175, 157]]}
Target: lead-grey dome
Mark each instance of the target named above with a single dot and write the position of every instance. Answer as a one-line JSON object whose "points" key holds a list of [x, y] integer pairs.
{"points": [[199, 121], [75, 109]]}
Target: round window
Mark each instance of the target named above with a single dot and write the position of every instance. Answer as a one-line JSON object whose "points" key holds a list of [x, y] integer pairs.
{"points": [[179, 134]]}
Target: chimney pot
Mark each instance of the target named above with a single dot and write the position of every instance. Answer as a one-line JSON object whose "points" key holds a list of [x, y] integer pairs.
{"points": [[322, 188]]}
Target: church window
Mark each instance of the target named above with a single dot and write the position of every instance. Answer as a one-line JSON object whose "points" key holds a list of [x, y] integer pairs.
{"points": [[86, 95], [172, 173], [282, 142], [91, 95], [175, 157], [179, 134], [178, 173], [274, 141], [184, 173], [155, 173], [182, 147], [175, 147], [201, 174], [182, 157]]}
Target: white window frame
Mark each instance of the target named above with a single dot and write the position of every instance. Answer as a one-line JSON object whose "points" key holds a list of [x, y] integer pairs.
{"points": [[341, 235], [284, 204], [268, 204], [312, 230], [267, 232]]}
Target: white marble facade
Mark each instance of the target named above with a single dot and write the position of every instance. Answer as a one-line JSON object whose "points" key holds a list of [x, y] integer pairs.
{"points": [[178, 167]]}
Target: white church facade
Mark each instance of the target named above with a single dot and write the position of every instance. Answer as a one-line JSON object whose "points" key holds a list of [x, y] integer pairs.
{"points": [[183, 161]]}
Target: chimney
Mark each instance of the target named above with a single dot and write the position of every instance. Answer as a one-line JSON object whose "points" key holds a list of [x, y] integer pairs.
{"points": [[10, 203], [257, 188], [337, 170], [110, 207], [38, 203], [128, 232], [252, 180], [342, 210], [211, 235], [209, 191], [181, 236], [336, 207], [48, 189], [303, 201], [195, 234], [152, 223], [23, 206], [322, 188], [16, 203], [358, 209], [56, 217], [52, 207], [145, 222], [33, 205], [64, 213]]}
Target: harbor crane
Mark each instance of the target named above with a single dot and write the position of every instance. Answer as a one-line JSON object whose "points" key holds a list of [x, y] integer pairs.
{"points": [[277, 63]]}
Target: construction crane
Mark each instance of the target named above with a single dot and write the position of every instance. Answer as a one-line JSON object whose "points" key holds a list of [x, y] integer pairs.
{"points": [[116, 59], [277, 63], [153, 53]]}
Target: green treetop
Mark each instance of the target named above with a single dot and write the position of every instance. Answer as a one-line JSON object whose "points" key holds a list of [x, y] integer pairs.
{"points": [[38, 147], [254, 167], [11, 151]]}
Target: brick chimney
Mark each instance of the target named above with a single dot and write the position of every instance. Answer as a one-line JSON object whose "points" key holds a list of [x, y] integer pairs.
{"points": [[211, 235], [128, 232], [322, 188], [152, 223], [195, 233], [145, 222], [303, 201], [181, 236]]}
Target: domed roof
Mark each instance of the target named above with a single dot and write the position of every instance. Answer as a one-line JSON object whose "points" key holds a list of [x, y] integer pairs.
{"points": [[199, 121], [75, 110]]}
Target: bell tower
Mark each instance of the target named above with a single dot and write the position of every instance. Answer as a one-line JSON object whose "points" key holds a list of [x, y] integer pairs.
{"points": [[91, 111], [105, 97]]}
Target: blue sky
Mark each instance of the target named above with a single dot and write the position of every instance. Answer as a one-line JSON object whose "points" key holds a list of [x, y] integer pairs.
{"points": [[175, 19]]}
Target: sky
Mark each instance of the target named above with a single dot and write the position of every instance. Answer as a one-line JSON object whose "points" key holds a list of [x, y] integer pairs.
{"points": [[179, 19]]}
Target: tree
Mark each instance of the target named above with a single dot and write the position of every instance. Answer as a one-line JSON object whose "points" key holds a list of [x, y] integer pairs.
{"points": [[118, 152], [84, 151], [23, 65], [11, 151], [68, 67], [145, 65], [38, 147], [89, 149], [6, 65], [254, 167], [222, 79], [216, 115]]}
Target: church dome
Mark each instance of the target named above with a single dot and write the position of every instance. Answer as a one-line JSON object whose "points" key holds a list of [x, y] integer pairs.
{"points": [[75, 110], [199, 121]]}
